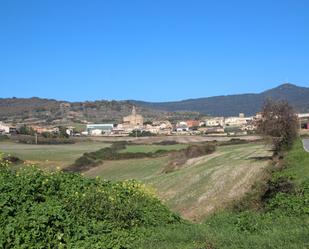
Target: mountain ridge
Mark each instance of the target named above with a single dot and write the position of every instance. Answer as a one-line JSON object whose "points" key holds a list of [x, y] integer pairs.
{"points": [[229, 105], [48, 110]]}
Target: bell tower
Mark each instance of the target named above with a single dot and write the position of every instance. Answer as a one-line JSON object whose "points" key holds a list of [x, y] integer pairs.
{"points": [[134, 111]]}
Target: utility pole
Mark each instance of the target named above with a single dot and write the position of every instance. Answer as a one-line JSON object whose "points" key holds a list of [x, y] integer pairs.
{"points": [[36, 138]]}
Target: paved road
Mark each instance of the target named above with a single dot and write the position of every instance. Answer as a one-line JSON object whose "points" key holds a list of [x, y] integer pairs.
{"points": [[306, 144]]}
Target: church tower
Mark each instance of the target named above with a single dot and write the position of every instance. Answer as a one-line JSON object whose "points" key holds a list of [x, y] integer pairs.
{"points": [[134, 111]]}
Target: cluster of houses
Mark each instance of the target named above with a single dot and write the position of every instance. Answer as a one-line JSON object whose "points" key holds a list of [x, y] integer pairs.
{"points": [[15, 129], [213, 126], [130, 123]]}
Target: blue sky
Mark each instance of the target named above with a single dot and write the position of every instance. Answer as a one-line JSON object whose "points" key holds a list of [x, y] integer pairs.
{"points": [[155, 50]]}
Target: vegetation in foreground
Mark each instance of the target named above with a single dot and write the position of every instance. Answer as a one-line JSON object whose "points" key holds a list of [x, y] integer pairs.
{"points": [[62, 210]]}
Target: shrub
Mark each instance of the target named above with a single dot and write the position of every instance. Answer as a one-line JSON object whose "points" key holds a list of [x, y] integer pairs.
{"points": [[13, 159], [92, 159], [121, 145], [62, 210], [27, 139], [234, 141], [139, 133], [167, 142]]}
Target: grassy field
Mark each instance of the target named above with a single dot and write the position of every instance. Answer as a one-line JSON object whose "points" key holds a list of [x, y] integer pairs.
{"points": [[50, 156], [211, 181], [284, 225], [141, 169]]}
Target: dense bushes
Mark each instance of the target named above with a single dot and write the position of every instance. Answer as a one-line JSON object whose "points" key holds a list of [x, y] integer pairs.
{"points": [[12, 159], [62, 210], [167, 142], [91, 159], [288, 189], [178, 157], [233, 141], [27, 139], [139, 133]]}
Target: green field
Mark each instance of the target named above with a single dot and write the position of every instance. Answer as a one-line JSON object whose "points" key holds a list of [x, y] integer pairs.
{"points": [[202, 185], [211, 181], [50, 156]]}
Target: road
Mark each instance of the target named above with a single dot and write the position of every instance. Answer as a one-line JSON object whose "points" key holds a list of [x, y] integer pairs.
{"points": [[306, 144]]}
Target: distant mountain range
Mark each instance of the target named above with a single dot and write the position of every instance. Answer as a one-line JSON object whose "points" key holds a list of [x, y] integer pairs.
{"points": [[48, 111], [230, 105]]}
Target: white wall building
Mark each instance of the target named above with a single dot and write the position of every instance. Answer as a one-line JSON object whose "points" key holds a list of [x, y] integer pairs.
{"points": [[4, 128], [96, 132], [93, 129], [217, 121]]}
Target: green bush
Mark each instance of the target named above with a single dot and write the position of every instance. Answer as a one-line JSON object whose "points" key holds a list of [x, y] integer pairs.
{"points": [[139, 133], [27, 139], [234, 141], [91, 159], [64, 210]]}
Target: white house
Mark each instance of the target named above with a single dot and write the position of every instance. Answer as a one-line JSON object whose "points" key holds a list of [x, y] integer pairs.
{"points": [[4, 128], [96, 132], [213, 122]]}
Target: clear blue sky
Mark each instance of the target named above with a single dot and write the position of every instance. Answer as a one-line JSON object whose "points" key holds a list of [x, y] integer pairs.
{"points": [[154, 50]]}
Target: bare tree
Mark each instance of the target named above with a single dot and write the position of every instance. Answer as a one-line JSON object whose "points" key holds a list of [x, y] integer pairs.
{"points": [[279, 124]]}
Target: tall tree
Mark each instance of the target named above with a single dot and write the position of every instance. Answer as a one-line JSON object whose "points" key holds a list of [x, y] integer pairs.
{"points": [[279, 124]]}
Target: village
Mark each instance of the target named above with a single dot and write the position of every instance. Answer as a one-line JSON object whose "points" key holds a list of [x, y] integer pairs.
{"points": [[135, 125]]}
